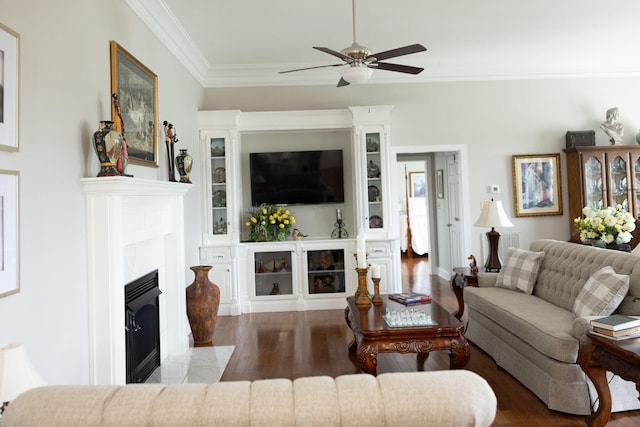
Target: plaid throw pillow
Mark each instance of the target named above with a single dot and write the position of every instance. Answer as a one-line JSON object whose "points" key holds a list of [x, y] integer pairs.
{"points": [[520, 271], [601, 294]]}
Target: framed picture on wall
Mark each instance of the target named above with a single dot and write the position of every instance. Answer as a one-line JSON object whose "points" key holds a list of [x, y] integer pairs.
{"points": [[417, 184], [137, 89], [9, 233], [536, 180], [9, 89], [440, 184]]}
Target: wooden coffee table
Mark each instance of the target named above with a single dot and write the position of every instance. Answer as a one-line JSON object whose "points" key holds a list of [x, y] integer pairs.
{"points": [[598, 355], [372, 335]]}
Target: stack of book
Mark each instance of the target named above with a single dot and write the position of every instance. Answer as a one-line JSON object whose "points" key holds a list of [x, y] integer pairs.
{"points": [[410, 298], [616, 327]]}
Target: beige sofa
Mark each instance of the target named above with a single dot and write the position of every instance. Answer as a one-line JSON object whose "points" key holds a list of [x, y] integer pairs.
{"points": [[536, 337], [443, 398]]}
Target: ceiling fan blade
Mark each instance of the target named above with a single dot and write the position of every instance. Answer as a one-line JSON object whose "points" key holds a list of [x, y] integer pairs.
{"points": [[334, 53], [396, 67], [310, 68], [342, 82], [406, 50]]}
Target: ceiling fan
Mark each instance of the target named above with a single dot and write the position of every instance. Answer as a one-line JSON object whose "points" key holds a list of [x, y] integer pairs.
{"points": [[361, 62]]}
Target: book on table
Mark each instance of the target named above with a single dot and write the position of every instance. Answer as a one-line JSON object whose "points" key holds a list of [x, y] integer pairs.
{"points": [[621, 333], [616, 322], [408, 298], [616, 338]]}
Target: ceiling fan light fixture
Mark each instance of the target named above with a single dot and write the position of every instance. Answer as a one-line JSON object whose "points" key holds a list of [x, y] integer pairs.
{"points": [[356, 74]]}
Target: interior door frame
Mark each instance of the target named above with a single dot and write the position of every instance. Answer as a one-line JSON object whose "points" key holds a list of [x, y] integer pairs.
{"points": [[442, 269]]}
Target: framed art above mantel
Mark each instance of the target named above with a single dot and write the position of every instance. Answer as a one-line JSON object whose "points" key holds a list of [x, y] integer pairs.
{"points": [[137, 89], [9, 88]]}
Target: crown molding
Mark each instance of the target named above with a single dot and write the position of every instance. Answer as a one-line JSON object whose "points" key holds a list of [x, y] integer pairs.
{"points": [[156, 15]]}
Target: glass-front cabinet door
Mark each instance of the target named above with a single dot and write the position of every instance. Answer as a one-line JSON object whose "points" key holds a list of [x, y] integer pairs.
{"points": [[273, 274], [375, 189], [325, 271], [594, 183], [635, 182], [218, 193], [219, 213], [619, 181]]}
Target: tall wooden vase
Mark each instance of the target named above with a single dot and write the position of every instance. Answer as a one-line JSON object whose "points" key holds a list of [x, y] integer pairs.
{"points": [[203, 300]]}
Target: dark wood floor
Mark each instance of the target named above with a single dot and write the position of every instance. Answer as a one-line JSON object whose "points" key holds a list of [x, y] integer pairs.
{"points": [[296, 344]]}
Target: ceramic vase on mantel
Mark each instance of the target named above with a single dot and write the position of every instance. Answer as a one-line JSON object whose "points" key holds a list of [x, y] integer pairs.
{"points": [[184, 161], [203, 301], [108, 144]]}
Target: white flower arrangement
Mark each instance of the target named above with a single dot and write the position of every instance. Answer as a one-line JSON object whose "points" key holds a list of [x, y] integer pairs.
{"points": [[605, 226]]}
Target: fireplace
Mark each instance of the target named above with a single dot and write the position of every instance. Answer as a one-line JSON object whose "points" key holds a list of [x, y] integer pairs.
{"points": [[134, 227], [142, 327]]}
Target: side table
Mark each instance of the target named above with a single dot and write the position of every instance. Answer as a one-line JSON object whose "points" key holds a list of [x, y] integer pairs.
{"points": [[598, 355], [462, 276]]}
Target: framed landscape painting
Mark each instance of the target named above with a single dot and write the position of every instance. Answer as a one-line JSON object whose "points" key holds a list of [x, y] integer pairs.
{"points": [[9, 89], [536, 180], [137, 89], [9, 233]]}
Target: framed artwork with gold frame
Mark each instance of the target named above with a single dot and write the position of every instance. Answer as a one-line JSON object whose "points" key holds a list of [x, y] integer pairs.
{"points": [[137, 89], [537, 188], [9, 88]]}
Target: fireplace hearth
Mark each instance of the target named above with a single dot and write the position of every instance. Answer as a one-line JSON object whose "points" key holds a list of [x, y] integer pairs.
{"points": [[142, 327]]}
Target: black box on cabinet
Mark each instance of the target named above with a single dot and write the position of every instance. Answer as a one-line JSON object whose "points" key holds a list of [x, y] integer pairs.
{"points": [[580, 138]]}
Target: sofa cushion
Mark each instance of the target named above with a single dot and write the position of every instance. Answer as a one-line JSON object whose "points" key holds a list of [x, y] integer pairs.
{"points": [[601, 294], [520, 270], [544, 326]]}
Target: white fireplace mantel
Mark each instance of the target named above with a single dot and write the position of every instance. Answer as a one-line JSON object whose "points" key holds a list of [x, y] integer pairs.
{"points": [[134, 226]]}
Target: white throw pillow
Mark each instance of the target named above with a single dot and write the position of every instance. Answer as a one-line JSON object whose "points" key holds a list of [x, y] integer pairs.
{"points": [[520, 271], [601, 294]]}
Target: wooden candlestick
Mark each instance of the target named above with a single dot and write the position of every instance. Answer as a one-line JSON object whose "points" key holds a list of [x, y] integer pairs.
{"points": [[377, 299], [362, 294]]}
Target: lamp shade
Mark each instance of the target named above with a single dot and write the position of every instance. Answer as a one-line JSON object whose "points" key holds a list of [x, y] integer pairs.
{"points": [[17, 374], [492, 215], [356, 73]]}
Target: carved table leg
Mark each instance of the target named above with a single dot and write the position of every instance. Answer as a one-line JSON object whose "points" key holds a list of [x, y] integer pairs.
{"points": [[460, 353], [420, 359], [368, 358], [353, 345], [598, 376], [457, 291]]}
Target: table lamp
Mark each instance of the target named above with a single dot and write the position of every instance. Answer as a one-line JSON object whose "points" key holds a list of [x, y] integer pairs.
{"points": [[17, 374], [492, 215]]}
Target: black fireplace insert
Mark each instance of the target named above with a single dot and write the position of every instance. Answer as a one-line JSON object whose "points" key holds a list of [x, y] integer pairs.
{"points": [[142, 327]]}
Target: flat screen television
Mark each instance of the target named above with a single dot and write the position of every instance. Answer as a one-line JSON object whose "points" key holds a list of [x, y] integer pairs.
{"points": [[297, 178]]}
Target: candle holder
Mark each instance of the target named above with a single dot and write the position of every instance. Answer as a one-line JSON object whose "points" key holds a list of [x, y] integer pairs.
{"points": [[377, 299], [362, 294], [339, 232]]}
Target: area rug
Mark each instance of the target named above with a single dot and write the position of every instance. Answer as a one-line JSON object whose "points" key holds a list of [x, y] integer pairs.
{"points": [[197, 365]]}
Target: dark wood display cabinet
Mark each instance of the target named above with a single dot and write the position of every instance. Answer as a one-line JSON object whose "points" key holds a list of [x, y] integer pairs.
{"points": [[600, 176]]}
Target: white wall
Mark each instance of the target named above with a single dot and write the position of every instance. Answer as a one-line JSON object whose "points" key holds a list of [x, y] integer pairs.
{"points": [[495, 119], [64, 92]]}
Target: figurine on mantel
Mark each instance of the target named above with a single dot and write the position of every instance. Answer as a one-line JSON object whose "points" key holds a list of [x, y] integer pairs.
{"points": [[613, 129]]}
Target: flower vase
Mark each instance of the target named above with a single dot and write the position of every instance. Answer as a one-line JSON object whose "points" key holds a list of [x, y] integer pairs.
{"points": [[108, 145], [184, 161], [203, 301]]}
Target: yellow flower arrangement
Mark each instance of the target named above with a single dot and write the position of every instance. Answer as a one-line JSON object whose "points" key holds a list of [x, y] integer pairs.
{"points": [[605, 226], [269, 223]]}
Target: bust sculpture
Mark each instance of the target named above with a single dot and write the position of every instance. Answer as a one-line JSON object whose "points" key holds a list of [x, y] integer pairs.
{"points": [[612, 127]]}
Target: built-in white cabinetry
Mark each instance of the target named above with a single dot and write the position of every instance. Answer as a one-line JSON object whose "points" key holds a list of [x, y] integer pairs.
{"points": [[302, 275], [371, 146], [309, 274]]}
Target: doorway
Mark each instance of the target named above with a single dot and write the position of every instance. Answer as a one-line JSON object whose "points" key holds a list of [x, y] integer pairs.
{"points": [[450, 163]]}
